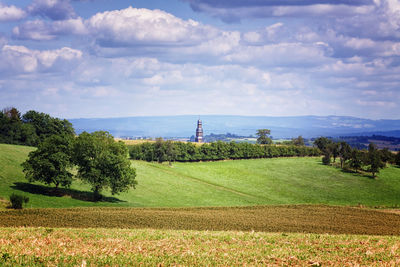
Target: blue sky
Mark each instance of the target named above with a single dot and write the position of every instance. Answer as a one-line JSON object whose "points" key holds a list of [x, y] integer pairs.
{"points": [[102, 58]]}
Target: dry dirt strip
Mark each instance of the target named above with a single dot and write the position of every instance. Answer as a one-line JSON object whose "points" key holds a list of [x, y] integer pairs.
{"points": [[284, 218]]}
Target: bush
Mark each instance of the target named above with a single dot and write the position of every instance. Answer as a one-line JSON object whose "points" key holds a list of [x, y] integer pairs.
{"points": [[17, 201], [326, 160]]}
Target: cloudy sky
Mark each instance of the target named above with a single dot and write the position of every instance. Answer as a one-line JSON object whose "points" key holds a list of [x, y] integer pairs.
{"points": [[103, 58]]}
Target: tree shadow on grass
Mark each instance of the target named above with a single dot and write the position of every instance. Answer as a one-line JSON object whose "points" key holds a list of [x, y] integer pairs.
{"points": [[62, 192], [358, 173]]}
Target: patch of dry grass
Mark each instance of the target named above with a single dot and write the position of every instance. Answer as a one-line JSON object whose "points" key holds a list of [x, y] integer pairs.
{"points": [[122, 247]]}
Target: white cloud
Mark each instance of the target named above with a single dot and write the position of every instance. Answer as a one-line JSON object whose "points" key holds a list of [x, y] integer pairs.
{"points": [[39, 30], [21, 59], [252, 37], [143, 26], [34, 30], [360, 43], [11, 13]]}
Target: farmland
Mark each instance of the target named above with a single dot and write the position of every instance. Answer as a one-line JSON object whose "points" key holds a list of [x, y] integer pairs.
{"points": [[223, 183], [280, 211], [282, 218], [151, 247]]}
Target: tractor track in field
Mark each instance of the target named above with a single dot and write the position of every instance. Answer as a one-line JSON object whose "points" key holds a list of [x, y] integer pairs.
{"points": [[217, 186]]}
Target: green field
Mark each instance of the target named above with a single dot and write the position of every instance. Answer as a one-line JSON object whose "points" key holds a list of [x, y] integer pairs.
{"points": [[223, 183]]}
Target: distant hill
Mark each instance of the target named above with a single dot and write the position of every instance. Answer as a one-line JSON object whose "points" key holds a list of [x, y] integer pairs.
{"points": [[281, 127]]}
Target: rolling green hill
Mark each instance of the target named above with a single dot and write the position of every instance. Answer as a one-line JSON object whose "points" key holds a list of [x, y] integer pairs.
{"points": [[223, 183]]}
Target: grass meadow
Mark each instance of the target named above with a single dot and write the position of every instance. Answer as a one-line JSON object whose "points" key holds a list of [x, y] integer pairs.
{"points": [[275, 181]]}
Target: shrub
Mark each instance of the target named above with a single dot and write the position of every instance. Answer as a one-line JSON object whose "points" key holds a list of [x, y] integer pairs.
{"points": [[326, 160], [18, 200]]}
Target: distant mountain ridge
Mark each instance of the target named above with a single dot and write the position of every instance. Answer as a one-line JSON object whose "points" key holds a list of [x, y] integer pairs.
{"points": [[281, 127]]}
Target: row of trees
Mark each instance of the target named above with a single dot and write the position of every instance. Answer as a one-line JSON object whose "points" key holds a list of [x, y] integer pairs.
{"points": [[179, 151], [100, 161], [371, 160], [31, 128]]}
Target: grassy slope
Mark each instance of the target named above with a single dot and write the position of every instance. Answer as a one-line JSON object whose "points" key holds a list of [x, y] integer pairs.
{"points": [[122, 247], [224, 183]]}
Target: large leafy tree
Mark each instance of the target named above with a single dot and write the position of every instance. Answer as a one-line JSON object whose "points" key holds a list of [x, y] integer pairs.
{"points": [[45, 125], [263, 136], [51, 162], [103, 163]]}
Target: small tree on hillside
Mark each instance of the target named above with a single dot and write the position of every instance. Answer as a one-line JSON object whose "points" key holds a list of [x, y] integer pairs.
{"points": [[51, 162], [334, 149], [322, 143], [326, 160], [356, 159], [103, 163], [397, 159], [386, 155], [299, 141], [344, 153], [263, 136], [374, 159]]}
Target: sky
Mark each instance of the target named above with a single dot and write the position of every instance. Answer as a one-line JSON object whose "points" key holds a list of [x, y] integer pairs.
{"points": [[103, 58]]}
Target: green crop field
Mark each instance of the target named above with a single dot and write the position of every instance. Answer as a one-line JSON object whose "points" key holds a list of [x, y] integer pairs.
{"points": [[223, 183]]}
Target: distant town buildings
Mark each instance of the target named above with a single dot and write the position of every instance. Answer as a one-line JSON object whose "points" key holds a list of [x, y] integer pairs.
{"points": [[199, 132]]}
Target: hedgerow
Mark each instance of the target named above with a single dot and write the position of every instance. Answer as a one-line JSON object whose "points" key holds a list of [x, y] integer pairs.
{"points": [[183, 152]]}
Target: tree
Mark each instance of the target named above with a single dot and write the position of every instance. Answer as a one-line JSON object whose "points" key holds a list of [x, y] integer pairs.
{"points": [[386, 155], [374, 159], [170, 151], [334, 149], [397, 159], [344, 153], [12, 113], [263, 136], [322, 143], [326, 160], [299, 141], [160, 150], [103, 163], [45, 125], [51, 162], [356, 159]]}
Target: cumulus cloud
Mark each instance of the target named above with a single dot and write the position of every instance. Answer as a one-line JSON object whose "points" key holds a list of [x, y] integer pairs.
{"points": [[11, 13], [53, 9], [143, 26], [40, 30], [20, 59]]}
